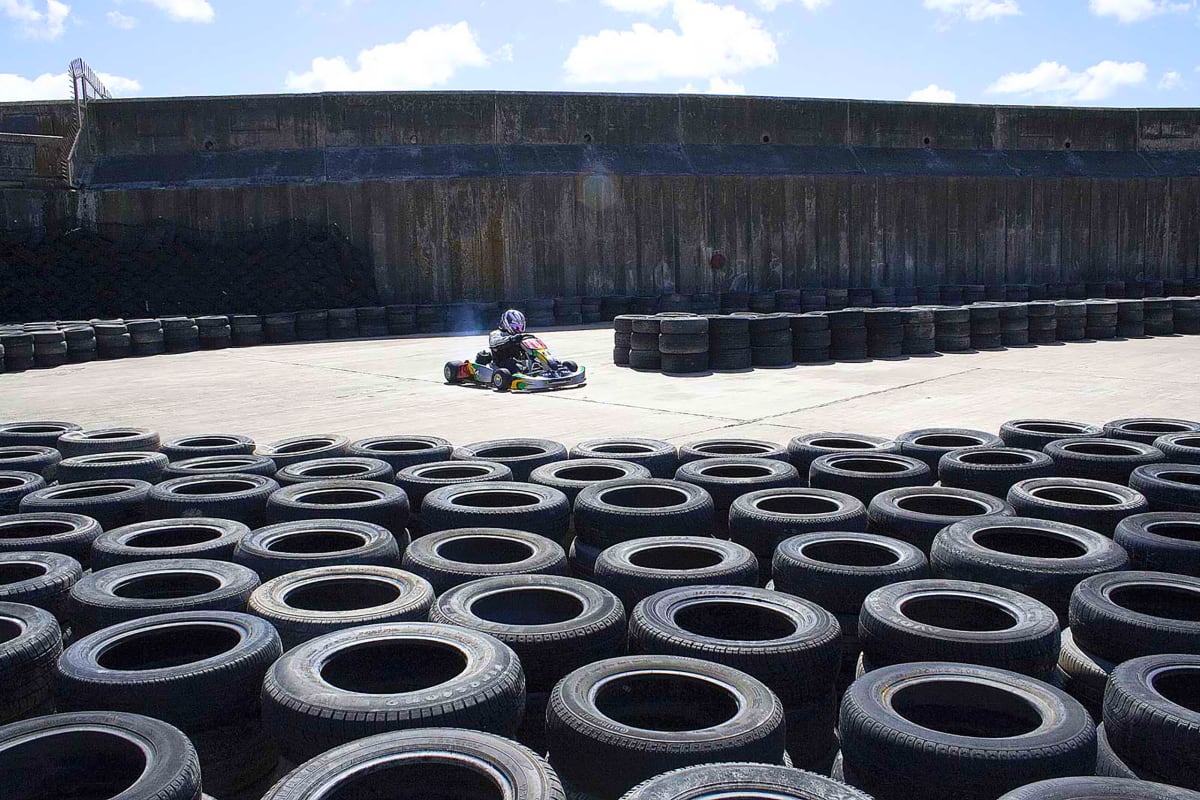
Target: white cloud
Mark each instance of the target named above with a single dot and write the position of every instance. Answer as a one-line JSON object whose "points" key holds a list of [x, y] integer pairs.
{"points": [[15, 88], [933, 94], [426, 58], [185, 10], [975, 10], [811, 5], [1170, 80], [638, 6], [1055, 81], [715, 86], [1136, 10], [711, 41], [119, 20], [48, 24], [504, 54]]}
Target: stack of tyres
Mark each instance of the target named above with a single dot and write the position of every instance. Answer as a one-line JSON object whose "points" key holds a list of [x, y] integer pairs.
{"points": [[460, 317], [929, 295], [81, 344], [146, 337], [906, 296], [622, 336], [705, 303], [683, 344], [1042, 322], [733, 302], [49, 349], [861, 297], [952, 329], [813, 300], [612, 306], [215, 333], [643, 343], [643, 305], [589, 309], [810, 338], [112, 340], [312, 325], [1071, 320], [246, 330], [401, 320], [950, 295], [539, 312], [1114, 289], [673, 303], [1037, 291], [1100, 319], [770, 340], [1096, 290], [1131, 319], [847, 335], [568, 310], [1158, 316], [836, 299], [343, 323], [18, 351], [885, 332], [1186, 311], [180, 334], [1017, 293], [985, 327], [729, 342], [1, 358], [1135, 290], [430, 319], [883, 296], [279, 328], [788, 300], [762, 303], [372, 321], [973, 293], [1014, 325], [919, 331]]}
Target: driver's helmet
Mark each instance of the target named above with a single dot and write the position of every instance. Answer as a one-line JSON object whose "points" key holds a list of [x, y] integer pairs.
{"points": [[512, 322]]}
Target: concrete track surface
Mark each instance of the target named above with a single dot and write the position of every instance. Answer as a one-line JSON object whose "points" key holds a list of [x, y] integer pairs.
{"points": [[392, 386]]}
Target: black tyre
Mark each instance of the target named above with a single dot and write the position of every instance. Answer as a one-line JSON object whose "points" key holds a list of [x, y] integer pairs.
{"points": [[728, 478], [655, 455], [1108, 763], [582, 558], [30, 644], [916, 514], [1095, 505], [719, 448], [53, 532], [1082, 674], [43, 580], [106, 440], [637, 569], [864, 475], [452, 557], [619, 511], [377, 503], [1177, 448], [554, 624], [31, 458], [15, 486], [573, 476], [342, 468], [208, 465], [960, 621], [1152, 717], [743, 780], [930, 444], [1162, 541], [98, 754], [1040, 558], [375, 678], [103, 466], [234, 496], [770, 635], [145, 588], [402, 451], [303, 448], [36, 433], [313, 602], [207, 444], [1123, 615], [981, 731], [1147, 429], [426, 764], [521, 456], [1168, 487], [838, 570], [497, 504], [291, 546], [804, 449], [1096, 788], [112, 503], [191, 537], [992, 470], [669, 712], [1100, 459]]}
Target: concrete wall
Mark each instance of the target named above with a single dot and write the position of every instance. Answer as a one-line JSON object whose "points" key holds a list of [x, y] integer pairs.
{"points": [[482, 195]]}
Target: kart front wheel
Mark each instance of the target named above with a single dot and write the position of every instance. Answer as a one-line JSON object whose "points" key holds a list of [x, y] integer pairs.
{"points": [[571, 366], [451, 370], [501, 380]]}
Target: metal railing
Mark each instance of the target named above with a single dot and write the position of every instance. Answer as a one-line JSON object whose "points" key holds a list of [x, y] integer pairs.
{"points": [[82, 79]]}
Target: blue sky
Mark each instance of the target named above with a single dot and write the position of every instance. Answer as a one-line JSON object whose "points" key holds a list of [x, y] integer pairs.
{"points": [[1078, 52]]}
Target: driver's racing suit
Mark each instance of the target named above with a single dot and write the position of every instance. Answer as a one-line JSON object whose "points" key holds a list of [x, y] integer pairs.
{"points": [[506, 350]]}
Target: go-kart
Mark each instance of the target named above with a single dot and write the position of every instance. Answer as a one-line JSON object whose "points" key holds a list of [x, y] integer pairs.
{"points": [[537, 370]]}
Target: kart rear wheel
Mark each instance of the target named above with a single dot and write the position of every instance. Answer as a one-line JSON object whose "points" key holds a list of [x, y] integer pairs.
{"points": [[501, 380], [451, 370]]}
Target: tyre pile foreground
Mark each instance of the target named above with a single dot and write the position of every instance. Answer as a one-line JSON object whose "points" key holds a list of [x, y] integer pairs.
{"points": [[947, 614]]}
